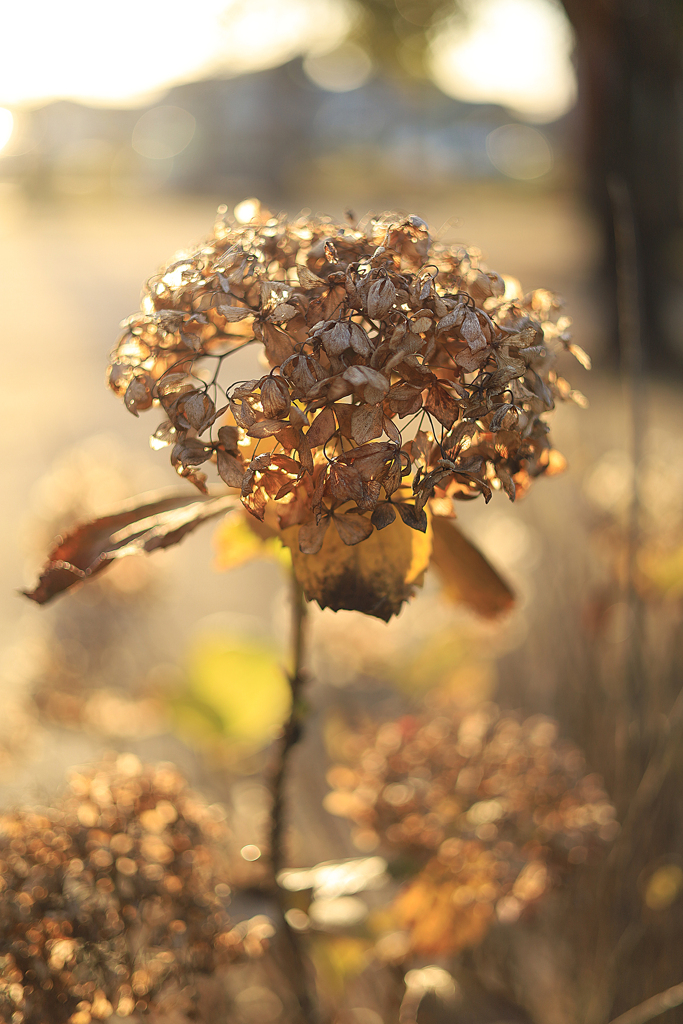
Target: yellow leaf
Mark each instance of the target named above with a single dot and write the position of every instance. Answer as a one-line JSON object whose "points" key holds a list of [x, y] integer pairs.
{"points": [[338, 958], [374, 577], [242, 684], [662, 568], [663, 887], [442, 913], [236, 541], [466, 575]]}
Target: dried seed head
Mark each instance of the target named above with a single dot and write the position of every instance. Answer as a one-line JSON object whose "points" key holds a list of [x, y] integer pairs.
{"points": [[129, 851], [369, 331], [492, 810]]}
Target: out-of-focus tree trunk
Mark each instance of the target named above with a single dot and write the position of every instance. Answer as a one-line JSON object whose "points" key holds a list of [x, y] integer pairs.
{"points": [[629, 57]]}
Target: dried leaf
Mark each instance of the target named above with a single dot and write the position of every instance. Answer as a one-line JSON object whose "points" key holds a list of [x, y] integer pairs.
{"points": [[507, 482], [381, 297], [581, 356], [421, 324], [360, 342], [174, 384], [230, 469], [441, 405], [374, 577], [138, 394], [415, 518], [467, 577], [383, 516], [312, 535], [322, 428], [460, 437], [283, 312], [391, 430], [229, 437], [366, 423], [337, 338], [451, 320], [307, 279], [242, 413], [303, 371], [266, 428], [352, 528], [234, 313], [370, 380], [344, 483], [275, 397], [163, 436], [190, 452], [471, 331], [198, 409], [91, 547], [254, 501], [278, 345]]}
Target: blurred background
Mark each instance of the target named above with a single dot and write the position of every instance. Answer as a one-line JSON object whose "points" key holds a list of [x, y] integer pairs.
{"points": [[548, 135]]}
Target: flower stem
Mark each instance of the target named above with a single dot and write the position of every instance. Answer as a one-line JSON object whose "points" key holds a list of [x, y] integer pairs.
{"points": [[291, 734], [292, 730]]}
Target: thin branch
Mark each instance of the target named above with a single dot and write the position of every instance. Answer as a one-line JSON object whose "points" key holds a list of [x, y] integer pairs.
{"points": [[652, 1007]]}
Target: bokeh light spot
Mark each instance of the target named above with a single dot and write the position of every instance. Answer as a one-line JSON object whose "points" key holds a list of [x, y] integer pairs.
{"points": [[513, 52], [663, 887], [519, 151], [250, 852], [343, 69], [163, 132], [6, 126], [247, 211]]}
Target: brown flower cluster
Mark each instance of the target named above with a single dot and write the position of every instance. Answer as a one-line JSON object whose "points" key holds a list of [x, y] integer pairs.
{"points": [[401, 371], [488, 809], [111, 902]]}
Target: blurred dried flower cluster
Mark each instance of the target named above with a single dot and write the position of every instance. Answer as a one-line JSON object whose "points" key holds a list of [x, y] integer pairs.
{"points": [[363, 326], [114, 900], [488, 809]]}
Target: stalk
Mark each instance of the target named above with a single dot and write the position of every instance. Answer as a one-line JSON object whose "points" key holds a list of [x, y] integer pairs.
{"points": [[291, 734]]}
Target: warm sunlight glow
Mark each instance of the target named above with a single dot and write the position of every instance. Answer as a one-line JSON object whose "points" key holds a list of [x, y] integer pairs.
{"points": [[519, 151], [6, 126], [128, 53], [512, 52], [163, 132], [345, 68]]}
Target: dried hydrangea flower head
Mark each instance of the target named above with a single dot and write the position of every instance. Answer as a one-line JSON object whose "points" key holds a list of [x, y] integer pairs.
{"points": [[403, 377], [402, 373], [113, 900], [490, 810]]}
